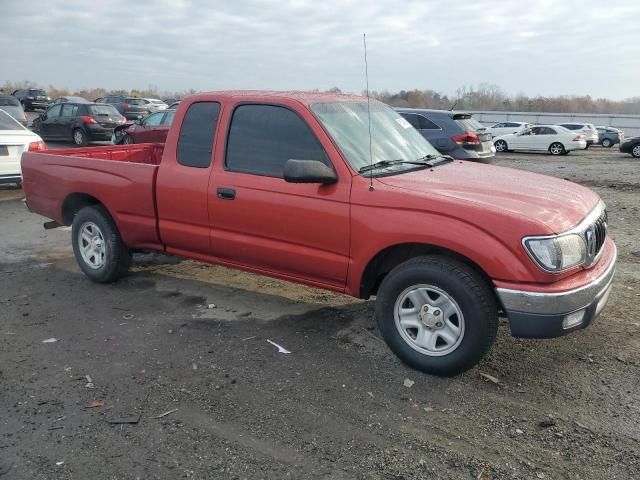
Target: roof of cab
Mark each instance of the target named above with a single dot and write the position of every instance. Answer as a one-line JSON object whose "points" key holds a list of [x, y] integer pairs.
{"points": [[306, 98]]}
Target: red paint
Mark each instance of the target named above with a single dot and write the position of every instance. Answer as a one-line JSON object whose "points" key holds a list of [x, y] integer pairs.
{"points": [[313, 234]]}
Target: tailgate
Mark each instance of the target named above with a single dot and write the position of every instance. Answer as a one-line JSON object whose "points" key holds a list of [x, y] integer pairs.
{"points": [[122, 179]]}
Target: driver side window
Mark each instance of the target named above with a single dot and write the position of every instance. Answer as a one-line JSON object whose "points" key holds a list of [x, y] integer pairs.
{"points": [[54, 112], [153, 119]]}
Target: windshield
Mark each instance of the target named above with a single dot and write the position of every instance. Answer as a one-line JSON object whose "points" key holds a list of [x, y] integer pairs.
{"points": [[392, 137], [8, 123], [470, 124], [103, 110]]}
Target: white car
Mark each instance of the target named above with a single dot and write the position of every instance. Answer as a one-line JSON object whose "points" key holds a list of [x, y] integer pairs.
{"points": [[14, 140], [155, 104], [507, 127], [542, 138], [587, 129]]}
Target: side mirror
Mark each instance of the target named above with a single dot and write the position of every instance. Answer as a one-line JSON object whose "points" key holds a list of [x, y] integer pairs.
{"points": [[308, 171]]}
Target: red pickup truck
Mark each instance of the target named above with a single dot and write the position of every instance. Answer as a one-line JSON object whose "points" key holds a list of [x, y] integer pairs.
{"points": [[331, 191]]}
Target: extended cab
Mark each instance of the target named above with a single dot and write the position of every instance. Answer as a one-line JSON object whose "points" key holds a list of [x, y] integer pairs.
{"points": [[328, 191]]}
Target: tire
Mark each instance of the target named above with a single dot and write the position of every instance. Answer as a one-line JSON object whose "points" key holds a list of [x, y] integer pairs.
{"points": [[635, 150], [607, 143], [98, 247], [556, 148], [587, 147], [501, 146], [437, 283], [80, 137]]}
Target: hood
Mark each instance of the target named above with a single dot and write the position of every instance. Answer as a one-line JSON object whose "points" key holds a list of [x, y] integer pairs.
{"points": [[558, 204]]}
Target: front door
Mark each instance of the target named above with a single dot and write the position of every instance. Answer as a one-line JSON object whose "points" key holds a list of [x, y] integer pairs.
{"points": [[49, 124], [67, 120], [259, 220]]}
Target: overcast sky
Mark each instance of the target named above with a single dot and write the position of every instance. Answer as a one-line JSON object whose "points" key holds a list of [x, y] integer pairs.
{"points": [[543, 47]]}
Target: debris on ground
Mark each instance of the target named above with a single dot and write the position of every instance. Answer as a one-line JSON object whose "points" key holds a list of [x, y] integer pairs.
{"points": [[211, 306], [546, 423], [280, 348], [519, 432], [408, 382], [89, 383], [132, 420], [490, 378], [248, 338], [110, 338], [127, 316], [96, 404], [59, 464], [166, 413], [50, 340]]}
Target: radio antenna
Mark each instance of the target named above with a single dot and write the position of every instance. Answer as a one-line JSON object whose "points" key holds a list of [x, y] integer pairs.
{"points": [[366, 76]]}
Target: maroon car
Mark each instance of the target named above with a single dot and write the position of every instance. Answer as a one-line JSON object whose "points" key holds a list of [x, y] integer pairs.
{"points": [[151, 129]]}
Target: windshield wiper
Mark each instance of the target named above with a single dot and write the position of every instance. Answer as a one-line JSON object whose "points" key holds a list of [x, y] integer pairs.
{"points": [[440, 158], [388, 163]]}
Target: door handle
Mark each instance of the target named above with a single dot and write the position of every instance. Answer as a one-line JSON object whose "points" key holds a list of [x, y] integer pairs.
{"points": [[226, 193]]}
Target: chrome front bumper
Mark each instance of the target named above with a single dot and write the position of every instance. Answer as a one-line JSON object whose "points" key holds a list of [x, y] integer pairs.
{"points": [[543, 315]]}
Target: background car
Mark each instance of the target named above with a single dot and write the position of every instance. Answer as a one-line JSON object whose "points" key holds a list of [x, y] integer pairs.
{"points": [[32, 98], [155, 104], [174, 105], [456, 134], [171, 101], [631, 145], [152, 129], [71, 99], [588, 130], [609, 136], [507, 127], [132, 108], [79, 122], [14, 140], [13, 107], [542, 138]]}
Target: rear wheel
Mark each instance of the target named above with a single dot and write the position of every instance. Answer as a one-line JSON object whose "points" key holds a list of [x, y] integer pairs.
{"points": [[556, 148], [607, 143], [501, 146], [635, 151], [437, 314], [80, 137], [98, 247]]}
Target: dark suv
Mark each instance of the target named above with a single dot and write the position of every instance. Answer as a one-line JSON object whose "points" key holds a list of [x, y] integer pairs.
{"points": [[132, 108], [456, 134], [32, 98]]}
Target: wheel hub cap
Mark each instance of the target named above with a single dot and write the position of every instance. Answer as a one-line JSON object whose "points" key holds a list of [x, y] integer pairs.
{"points": [[429, 320], [92, 246]]}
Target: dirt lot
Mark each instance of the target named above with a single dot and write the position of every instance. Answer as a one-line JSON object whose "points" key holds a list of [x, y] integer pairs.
{"points": [[336, 407]]}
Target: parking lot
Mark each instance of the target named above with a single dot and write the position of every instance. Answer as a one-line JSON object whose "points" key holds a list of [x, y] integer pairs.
{"points": [[168, 373]]}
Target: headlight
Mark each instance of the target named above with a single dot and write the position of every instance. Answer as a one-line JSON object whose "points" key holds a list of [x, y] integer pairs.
{"points": [[556, 254]]}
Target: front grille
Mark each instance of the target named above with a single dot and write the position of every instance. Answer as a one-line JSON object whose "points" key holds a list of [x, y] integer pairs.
{"points": [[600, 231]]}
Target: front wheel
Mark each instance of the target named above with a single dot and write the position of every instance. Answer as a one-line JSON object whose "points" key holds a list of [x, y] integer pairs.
{"points": [[607, 143], [98, 247], [556, 148], [635, 151], [501, 146], [80, 138], [437, 315]]}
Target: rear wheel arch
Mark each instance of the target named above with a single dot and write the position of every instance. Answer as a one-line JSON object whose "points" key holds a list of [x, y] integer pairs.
{"points": [[389, 258], [76, 202]]}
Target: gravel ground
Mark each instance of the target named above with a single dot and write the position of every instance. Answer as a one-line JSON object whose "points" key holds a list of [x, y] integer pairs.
{"points": [[190, 339]]}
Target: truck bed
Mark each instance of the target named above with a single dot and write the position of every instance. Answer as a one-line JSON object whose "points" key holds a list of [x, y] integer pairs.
{"points": [[122, 178], [145, 153]]}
